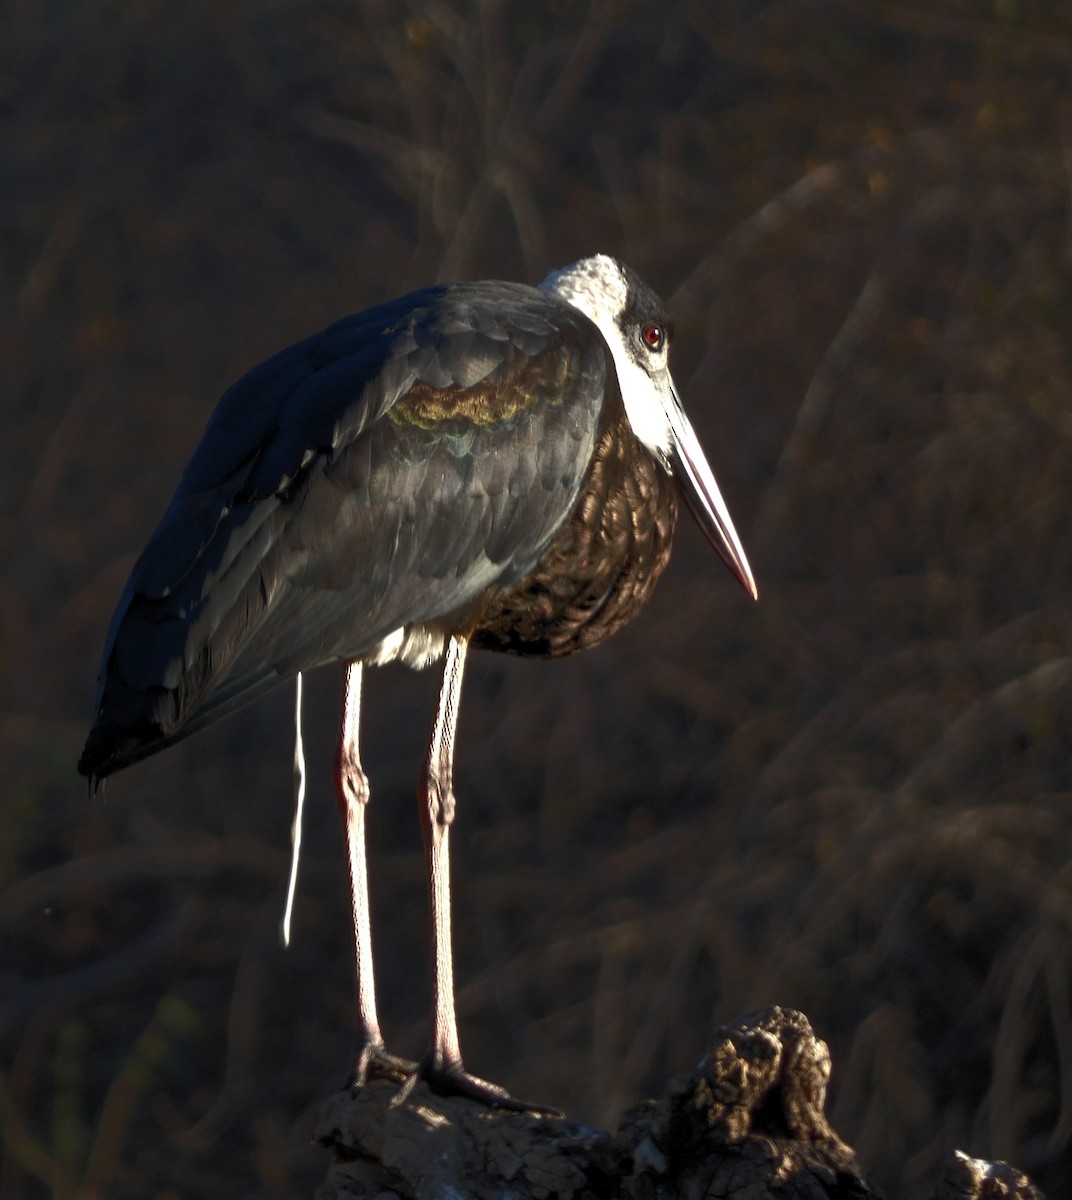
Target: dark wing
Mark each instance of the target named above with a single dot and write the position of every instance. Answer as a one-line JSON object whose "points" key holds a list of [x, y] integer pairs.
{"points": [[386, 472]]}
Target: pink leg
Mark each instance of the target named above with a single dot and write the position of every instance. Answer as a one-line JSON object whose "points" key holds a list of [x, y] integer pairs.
{"points": [[442, 1068], [352, 790]]}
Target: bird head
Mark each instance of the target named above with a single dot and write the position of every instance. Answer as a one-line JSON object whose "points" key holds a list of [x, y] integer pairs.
{"points": [[637, 328]]}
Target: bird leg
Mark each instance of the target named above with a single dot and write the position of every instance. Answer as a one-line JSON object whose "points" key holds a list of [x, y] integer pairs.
{"points": [[352, 790], [442, 1067]]}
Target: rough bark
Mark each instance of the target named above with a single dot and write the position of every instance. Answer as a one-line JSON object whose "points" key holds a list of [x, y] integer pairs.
{"points": [[746, 1124]]}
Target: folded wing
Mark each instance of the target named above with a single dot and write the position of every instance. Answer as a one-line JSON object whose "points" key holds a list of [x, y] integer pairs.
{"points": [[385, 473]]}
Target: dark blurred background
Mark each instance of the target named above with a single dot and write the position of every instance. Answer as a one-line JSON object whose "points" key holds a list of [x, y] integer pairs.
{"points": [[854, 797]]}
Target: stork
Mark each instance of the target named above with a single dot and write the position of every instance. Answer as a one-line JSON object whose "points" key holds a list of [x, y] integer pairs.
{"points": [[483, 465]]}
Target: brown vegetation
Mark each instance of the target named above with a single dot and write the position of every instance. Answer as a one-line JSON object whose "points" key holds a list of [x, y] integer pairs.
{"points": [[854, 798]]}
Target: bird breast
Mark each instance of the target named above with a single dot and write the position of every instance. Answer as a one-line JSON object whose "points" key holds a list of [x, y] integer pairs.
{"points": [[602, 564]]}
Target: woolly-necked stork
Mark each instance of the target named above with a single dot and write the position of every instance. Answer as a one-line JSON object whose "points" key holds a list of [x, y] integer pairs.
{"points": [[473, 464]]}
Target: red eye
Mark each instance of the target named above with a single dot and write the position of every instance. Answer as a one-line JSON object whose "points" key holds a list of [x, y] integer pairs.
{"points": [[653, 337]]}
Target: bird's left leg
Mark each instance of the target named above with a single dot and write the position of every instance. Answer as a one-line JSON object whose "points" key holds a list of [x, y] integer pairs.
{"points": [[352, 790], [442, 1068]]}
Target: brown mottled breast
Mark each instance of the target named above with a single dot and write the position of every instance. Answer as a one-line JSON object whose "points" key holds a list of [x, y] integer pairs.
{"points": [[603, 563]]}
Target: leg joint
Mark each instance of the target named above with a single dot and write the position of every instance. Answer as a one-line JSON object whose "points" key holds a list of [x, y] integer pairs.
{"points": [[441, 803], [351, 782]]}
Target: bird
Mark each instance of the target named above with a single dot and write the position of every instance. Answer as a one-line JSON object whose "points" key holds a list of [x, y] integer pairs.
{"points": [[485, 465]]}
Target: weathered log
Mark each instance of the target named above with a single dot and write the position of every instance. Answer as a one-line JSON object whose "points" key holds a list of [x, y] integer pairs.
{"points": [[747, 1123]]}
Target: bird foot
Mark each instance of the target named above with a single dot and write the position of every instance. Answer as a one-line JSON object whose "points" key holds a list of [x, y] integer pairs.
{"points": [[452, 1079], [373, 1061]]}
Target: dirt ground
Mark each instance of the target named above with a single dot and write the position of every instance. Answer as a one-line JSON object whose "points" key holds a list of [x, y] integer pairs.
{"points": [[854, 798]]}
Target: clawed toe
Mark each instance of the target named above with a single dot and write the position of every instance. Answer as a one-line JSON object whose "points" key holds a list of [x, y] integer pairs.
{"points": [[373, 1061], [452, 1079]]}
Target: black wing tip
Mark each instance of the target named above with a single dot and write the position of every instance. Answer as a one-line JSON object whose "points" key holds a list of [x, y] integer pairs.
{"points": [[95, 784], [109, 749], [92, 766]]}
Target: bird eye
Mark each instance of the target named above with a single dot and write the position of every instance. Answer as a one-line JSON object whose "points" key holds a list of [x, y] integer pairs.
{"points": [[653, 337]]}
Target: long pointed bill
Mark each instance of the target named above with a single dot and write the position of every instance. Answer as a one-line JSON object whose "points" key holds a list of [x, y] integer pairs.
{"points": [[703, 497]]}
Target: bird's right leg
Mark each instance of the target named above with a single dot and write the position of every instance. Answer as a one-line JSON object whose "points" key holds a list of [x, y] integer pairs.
{"points": [[352, 790]]}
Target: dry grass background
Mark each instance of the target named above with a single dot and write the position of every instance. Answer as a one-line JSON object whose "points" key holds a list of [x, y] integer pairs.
{"points": [[854, 798]]}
